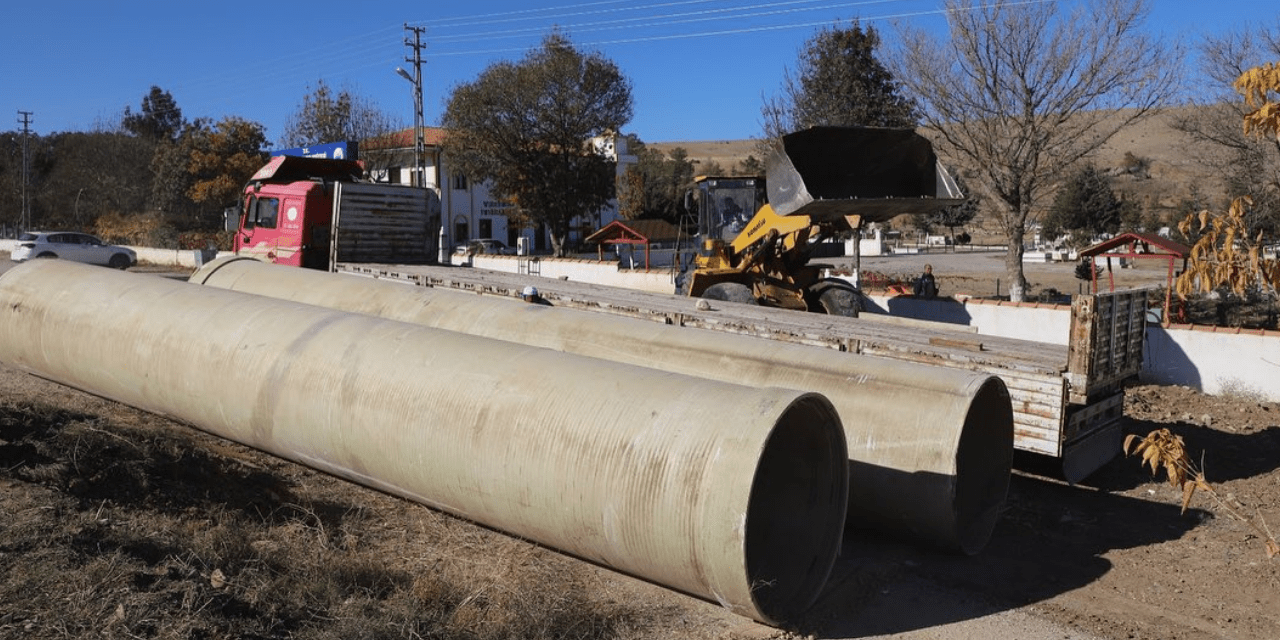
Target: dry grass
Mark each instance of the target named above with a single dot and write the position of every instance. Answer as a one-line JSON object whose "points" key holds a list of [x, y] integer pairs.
{"points": [[115, 531]]}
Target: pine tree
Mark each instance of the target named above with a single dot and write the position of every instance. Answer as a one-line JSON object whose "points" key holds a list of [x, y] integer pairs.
{"points": [[839, 81]]}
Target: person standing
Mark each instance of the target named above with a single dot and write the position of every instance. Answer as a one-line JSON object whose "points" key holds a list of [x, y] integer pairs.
{"points": [[926, 285]]}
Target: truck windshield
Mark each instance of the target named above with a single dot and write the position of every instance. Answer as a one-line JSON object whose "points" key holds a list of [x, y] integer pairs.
{"points": [[263, 212]]}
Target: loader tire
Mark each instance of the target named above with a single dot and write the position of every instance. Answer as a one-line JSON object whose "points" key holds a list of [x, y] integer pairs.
{"points": [[837, 300], [730, 292]]}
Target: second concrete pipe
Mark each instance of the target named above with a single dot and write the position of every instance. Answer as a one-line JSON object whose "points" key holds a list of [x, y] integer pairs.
{"points": [[930, 448], [731, 493]]}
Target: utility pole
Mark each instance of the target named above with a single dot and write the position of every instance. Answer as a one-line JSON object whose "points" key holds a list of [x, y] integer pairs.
{"points": [[24, 224], [419, 143], [419, 124]]}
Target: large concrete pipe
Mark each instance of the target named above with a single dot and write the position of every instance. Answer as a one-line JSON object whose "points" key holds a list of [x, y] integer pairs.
{"points": [[930, 447], [731, 493]]}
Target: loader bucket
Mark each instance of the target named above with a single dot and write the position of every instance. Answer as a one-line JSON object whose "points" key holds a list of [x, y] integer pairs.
{"points": [[877, 173]]}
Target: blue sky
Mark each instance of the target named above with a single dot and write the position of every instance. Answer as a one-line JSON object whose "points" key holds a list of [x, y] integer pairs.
{"points": [[700, 68]]}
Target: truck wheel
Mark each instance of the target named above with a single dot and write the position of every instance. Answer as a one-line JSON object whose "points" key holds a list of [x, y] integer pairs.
{"points": [[838, 300], [730, 292], [47, 254], [119, 261]]}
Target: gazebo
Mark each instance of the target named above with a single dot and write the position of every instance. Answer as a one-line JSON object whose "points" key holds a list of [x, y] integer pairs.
{"points": [[634, 232], [1133, 245]]}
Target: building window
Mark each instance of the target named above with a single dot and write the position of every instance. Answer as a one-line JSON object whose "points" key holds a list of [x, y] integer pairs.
{"points": [[460, 182], [460, 230]]}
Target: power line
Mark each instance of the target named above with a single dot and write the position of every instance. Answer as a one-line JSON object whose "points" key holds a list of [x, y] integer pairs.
{"points": [[651, 22]]}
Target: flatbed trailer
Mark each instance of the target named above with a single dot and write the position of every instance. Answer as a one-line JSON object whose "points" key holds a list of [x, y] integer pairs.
{"points": [[1067, 400]]}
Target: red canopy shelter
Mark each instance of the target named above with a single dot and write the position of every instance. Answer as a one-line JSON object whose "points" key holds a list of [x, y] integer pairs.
{"points": [[634, 232], [1134, 245]]}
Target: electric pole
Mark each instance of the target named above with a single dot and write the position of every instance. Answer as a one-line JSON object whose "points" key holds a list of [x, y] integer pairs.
{"points": [[419, 124], [24, 224], [419, 143]]}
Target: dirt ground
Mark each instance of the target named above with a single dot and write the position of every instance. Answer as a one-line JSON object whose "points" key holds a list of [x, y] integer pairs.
{"points": [[980, 273], [118, 523]]}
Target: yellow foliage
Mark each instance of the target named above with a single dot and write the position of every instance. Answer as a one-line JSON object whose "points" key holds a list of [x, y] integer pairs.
{"points": [[1256, 85], [1162, 449], [1224, 254]]}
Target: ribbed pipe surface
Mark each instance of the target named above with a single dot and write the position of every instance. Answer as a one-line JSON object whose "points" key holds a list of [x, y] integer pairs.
{"points": [[727, 492], [930, 448]]}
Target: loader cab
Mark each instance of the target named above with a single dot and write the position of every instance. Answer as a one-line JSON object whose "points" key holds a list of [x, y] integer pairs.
{"points": [[724, 205]]}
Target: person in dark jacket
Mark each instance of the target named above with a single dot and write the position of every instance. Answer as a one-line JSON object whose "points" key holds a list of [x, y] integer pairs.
{"points": [[926, 286]]}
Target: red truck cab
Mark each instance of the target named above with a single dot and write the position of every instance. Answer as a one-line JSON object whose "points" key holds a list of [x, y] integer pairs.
{"points": [[316, 212]]}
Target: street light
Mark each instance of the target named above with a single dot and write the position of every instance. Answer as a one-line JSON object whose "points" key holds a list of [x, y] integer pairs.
{"points": [[418, 143], [77, 207]]}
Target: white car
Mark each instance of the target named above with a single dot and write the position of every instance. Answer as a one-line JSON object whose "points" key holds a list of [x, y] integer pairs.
{"points": [[70, 245], [484, 245]]}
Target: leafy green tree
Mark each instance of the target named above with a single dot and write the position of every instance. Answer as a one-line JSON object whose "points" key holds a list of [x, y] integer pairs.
{"points": [[92, 174], [74, 177], [221, 159], [655, 185], [1084, 207], [526, 127], [1022, 92], [329, 116], [839, 81], [158, 119], [203, 171], [750, 166]]}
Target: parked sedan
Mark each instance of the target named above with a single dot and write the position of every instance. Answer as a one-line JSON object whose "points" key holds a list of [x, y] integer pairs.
{"points": [[484, 245], [70, 245]]}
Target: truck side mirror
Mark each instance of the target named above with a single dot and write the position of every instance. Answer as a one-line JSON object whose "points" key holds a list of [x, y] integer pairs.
{"points": [[230, 218]]}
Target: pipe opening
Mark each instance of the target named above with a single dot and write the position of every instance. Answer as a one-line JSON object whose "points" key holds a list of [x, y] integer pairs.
{"points": [[795, 518], [984, 459]]}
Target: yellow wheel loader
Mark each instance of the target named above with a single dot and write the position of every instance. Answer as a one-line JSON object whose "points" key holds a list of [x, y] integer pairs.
{"points": [[819, 183]]}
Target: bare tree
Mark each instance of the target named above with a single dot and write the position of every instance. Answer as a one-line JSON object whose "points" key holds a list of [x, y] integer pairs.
{"points": [[1248, 164], [526, 126], [329, 116], [1020, 92]]}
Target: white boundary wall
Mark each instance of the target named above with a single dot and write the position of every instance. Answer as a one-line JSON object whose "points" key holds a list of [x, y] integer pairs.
{"points": [[1215, 360], [605, 273], [1038, 322]]}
